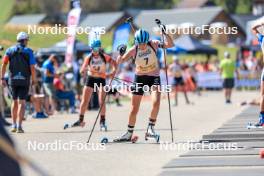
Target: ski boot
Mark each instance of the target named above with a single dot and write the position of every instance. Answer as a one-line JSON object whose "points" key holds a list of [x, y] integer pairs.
{"points": [[261, 121], [151, 134], [103, 126], [78, 123], [124, 138]]}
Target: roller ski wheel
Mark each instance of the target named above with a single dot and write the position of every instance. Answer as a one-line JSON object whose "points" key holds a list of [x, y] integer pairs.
{"points": [[104, 140], [134, 139], [67, 125]]}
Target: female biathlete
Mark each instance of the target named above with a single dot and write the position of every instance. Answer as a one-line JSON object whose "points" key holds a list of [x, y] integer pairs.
{"points": [[261, 42], [147, 72], [175, 71], [95, 66]]}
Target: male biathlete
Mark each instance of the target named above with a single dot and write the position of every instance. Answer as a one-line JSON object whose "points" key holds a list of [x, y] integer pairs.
{"points": [[261, 42], [147, 72], [21, 63], [95, 66]]}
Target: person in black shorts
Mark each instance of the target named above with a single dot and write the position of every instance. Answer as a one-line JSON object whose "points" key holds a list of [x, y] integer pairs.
{"points": [[228, 70], [144, 82], [95, 66], [175, 71], [147, 79], [21, 69]]}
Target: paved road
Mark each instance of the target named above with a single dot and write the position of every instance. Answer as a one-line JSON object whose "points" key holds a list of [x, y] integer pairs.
{"points": [[141, 159]]}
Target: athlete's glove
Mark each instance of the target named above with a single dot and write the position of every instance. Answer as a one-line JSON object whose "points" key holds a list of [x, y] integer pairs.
{"points": [[122, 49]]}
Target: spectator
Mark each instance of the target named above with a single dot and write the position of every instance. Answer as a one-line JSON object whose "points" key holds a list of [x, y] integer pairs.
{"points": [[227, 70], [38, 101], [21, 68], [48, 77], [61, 93]]}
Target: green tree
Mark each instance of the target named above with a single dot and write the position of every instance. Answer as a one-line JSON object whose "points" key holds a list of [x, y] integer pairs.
{"points": [[235, 6]]}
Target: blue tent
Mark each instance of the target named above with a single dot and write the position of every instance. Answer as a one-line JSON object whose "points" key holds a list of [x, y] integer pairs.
{"points": [[176, 50], [186, 44]]}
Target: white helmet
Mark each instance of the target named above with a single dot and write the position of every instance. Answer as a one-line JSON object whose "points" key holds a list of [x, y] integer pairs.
{"points": [[22, 36], [227, 54]]}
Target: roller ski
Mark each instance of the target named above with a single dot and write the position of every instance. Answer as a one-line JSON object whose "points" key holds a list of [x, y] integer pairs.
{"points": [[151, 134], [75, 124], [254, 126], [127, 137], [260, 124]]}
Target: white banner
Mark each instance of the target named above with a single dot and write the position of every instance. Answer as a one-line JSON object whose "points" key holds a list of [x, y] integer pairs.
{"points": [[209, 80], [214, 80], [73, 21]]}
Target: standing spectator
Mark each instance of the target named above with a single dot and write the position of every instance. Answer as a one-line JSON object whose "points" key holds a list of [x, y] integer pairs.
{"points": [[48, 77], [227, 70], [21, 67]]}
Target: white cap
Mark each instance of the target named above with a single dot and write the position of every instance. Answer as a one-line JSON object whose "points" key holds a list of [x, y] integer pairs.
{"points": [[22, 36], [226, 54], [175, 58]]}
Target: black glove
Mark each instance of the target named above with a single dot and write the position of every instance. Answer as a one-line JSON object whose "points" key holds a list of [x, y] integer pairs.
{"points": [[122, 49], [163, 28]]}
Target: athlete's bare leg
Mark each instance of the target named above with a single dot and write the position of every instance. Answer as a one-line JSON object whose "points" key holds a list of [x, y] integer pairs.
{"points": [[155, 96], [135, 104], [86, 96]]}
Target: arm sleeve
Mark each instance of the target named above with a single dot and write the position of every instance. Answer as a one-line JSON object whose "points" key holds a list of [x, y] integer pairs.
{"points": [[32, 60], [6, 59]]}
